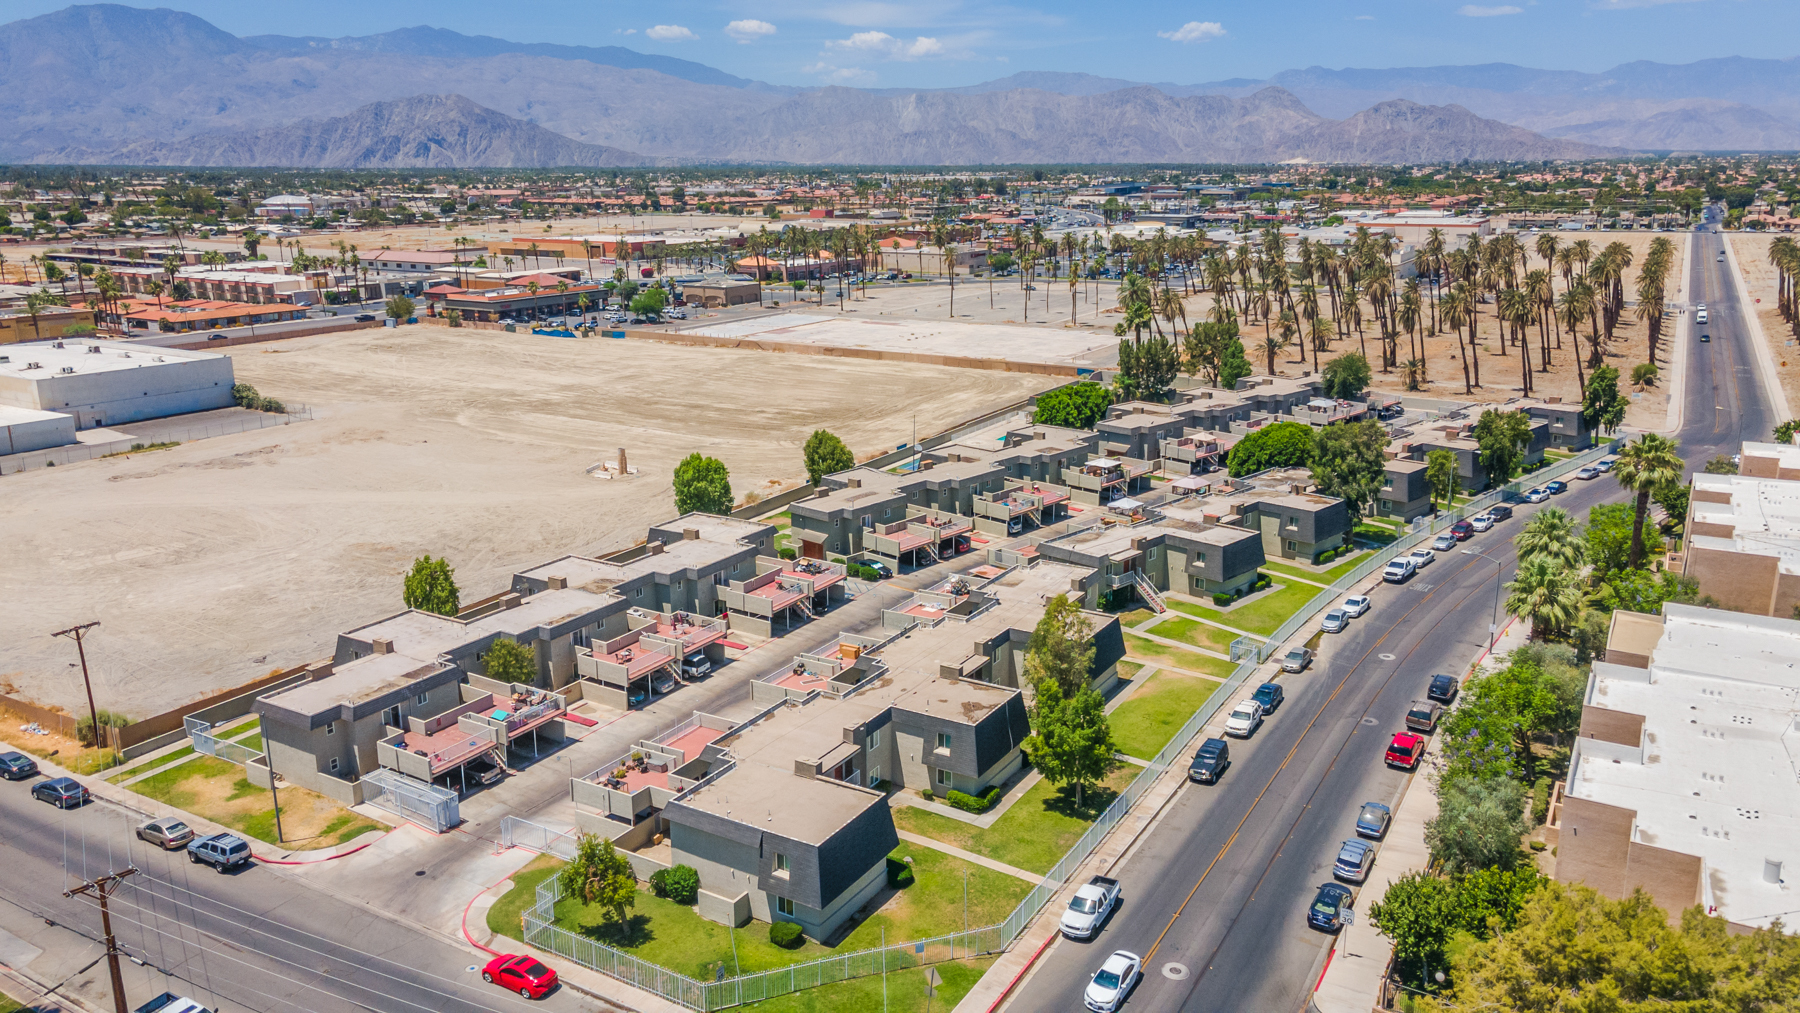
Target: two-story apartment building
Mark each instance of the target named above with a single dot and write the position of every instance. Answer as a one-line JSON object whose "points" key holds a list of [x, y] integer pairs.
{"points": [[1404, 493], [1458, 438], [1567, 429], [1295, 520], [1190, 556]]}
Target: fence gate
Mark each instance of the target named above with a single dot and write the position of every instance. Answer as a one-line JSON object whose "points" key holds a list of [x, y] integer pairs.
{"points": [[200, 734], [428, 805]]}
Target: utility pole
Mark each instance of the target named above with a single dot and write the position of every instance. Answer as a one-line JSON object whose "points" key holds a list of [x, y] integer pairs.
{"points": [[102, 888], [274, 794], [76, 633]]}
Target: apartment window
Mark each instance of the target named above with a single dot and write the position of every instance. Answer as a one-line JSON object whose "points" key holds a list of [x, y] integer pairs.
{"points": [[868, 521], [874, 740], [1199, 557], [1293, 546], [331, 729], [943, 778], [874, 776], [784, 906], [334, 765], [1199, 584], [1293, 522], [943, 741], [720, 580], [781, 864], [837, 522], [422, 699]]}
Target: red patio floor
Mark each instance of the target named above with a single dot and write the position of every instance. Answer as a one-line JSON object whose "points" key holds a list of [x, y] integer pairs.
{"points": [[690, 742], [802, 681]]}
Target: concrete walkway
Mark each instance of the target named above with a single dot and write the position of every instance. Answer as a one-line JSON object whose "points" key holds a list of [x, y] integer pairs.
{"points": [[1010, 794], [970, 856]]}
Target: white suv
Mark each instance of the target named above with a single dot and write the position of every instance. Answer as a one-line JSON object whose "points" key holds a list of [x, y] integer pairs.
{"points": [[1398, 570]]}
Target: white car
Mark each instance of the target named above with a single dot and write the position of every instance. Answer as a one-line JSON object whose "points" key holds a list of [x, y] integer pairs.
{"points": [[1588, 473], [1113, 982], [1536, 496], [1481, 522], [1357, 604], [1089, 907], [1421, 558], [1244, 720], [1398, 570]]}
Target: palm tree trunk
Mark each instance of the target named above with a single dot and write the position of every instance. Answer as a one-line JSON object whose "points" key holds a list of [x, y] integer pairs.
{"points": [[1637, 527]]}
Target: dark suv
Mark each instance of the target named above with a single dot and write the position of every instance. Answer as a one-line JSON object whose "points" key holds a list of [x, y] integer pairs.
{"points": [[1268, 694], [1210, 762], [1443, 689], [223, 852]]}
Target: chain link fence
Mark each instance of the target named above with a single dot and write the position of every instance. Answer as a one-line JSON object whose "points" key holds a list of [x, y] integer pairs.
{"points": [[156, 431]]}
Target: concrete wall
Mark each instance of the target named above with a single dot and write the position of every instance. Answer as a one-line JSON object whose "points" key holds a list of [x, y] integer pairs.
{"points": [[732, 909], [1612, 726], [1742, 581], [721, 864], [1594, 845]]}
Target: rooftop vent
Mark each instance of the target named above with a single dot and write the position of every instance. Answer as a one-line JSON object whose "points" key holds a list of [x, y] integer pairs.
{"points": [[66, 369], [557, 583], [93, 349], [382, 645], [690, 534], [1771, 870], [5, 359]]}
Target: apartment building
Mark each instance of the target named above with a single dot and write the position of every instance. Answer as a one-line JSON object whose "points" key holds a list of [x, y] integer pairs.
{"points": [[1568, 430], [1295, 520], [1458, 438], [1404, 492], [1743, 532], [1194, 557]]}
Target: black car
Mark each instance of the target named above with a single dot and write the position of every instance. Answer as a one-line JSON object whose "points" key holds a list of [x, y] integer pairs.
{"points": [[17, 766], [882, 570], [1329, 907], [1443, 689], [1211, 762], [1499, 512], [1706, 338], [484, 770], [1556, 487], [61, 792], [365, 318], [1269, 695]]}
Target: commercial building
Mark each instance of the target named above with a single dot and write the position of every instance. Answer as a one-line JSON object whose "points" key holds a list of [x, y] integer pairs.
{"points": [[715, 293], [205, 315], [99, 383], [420, 260], [521, 302], [1685, 778], [50, 322], [27, 429], [1743, 532]]}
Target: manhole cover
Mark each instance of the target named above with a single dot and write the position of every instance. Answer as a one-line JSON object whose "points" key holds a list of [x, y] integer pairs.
{"points": [[470, 968], [1369, 721], [1385, 657], [1175, 972]]}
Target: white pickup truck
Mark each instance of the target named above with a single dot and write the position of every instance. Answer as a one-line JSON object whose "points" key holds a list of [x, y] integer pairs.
{"points": [[1089, 908]]}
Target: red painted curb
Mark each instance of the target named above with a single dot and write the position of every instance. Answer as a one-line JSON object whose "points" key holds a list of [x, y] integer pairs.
{"points": [[1014, 983], [465, 918], [316, 861], [1328, 955]]}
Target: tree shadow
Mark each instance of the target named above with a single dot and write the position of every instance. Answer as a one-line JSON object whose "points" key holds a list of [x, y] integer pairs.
{"points": [[1093, 802], [630, 934]]}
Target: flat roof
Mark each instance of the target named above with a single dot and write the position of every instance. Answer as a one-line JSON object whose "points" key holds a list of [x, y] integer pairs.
{"points": [[1763, 513], [811, 809], [10, 416], [355, 682], [112, 357]]}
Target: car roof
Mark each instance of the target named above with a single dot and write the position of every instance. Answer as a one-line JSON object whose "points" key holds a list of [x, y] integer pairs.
{"points": [[1212, 745], [1405, 739], [1276, 686], [1241, 704], [1119, 960], [1375, 805], [1442, 678]]}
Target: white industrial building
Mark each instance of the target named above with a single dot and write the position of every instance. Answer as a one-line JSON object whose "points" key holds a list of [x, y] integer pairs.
{"points": [[27, 429], [110, 383]]}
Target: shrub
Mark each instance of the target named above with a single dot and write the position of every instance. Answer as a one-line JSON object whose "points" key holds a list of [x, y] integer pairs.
{"points": [[786, 935], [1538, 845], [1222, 599], [680, 884], [973, 803], [900, 875], [84, 729], [1540, 802], [787, 553]]}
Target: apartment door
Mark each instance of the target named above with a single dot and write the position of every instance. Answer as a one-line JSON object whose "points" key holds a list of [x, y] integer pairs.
{"points": [[392, 716]]}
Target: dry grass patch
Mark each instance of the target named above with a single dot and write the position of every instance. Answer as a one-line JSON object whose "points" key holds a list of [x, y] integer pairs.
{"points": [[217, 790]]}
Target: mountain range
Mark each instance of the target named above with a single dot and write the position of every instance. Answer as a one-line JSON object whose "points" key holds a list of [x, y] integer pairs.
{"points": [[109, 84]]}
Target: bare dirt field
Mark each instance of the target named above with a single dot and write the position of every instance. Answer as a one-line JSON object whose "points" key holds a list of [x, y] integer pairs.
{"points": [[1751, 250], [217, 561]]}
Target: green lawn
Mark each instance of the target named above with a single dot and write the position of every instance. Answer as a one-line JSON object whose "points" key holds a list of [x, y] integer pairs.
{"points": [[1135, 616], [902, 992], [1033, 834], [506, 917], [1175, 657], [248, 727], [1144, 724], [1377, 535], [1261, 616], [1199, 634], [1321, 577], [1128, 670]]}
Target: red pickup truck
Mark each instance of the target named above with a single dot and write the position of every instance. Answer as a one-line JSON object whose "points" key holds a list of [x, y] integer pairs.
{"points": [[1405, 750]]}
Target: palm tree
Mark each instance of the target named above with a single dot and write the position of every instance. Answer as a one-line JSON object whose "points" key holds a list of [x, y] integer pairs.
{"points": [[1547, 593], [1170, 308], [1272, 344], [1551, 534], [1646, 466]]}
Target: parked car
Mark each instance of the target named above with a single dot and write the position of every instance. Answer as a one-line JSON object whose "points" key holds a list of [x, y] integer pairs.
{"points": [[696, 665], [1405, 750], [215, 337], [1357, 604], [1353, 860], [1481, 522], [169, 1002], [1444, 542], [167, 833], [1421, 558], [664, 683], [1297, 659], [1463, 530], [1373, 819], [61, 792], [1113, 982], [1500, 512], [518, 973], [1556, 487], [1443, 689], [1335, 620], [882, 570], [1536, 496], [1244, 719], [1398, 570], [223, 852], [1269, 695], [1591, 472], [484, 770], [1329, 907], [1210, 762], [1089, 907], [17, 766], [1606, 463], [1422, 716]]}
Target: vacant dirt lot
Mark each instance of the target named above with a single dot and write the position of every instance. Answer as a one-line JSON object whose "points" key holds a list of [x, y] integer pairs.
{"points": [[1752, 252], [220, 560]]}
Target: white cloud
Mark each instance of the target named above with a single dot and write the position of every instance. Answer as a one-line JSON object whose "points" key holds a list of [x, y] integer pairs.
{"points": [[841, 75], [670, 33], [1194, 31], [886, 45], [1619, 5], [749, 29], [1477, 11], [624, 31]]}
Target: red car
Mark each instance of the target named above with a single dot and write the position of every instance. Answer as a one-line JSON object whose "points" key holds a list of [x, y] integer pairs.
{"points": [[1406, 749], [521, 974], [1462, 530]]}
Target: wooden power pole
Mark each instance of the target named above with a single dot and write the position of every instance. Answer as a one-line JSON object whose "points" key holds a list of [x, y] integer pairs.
{"points": [[101, 889], [76, 633]]}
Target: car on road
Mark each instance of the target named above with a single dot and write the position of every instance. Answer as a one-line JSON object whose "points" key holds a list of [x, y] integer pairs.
{"points": [[1443, 689], [519, 973], [1481, 522], [1244, 719], [1421, 558], [1721, 256], [1444, 542], [1606, 463], [1404, 750], [1589, 473], [1356, 605], [215, 337], [1353, 860], [1373, 819], [1398, 570], [1463, 530], [1269, 695], [1335, 620], [1536, 496], [1210, 761], [365, 318], [223, 852], [1707, 338], [61, 792], [169, 1002], [1089, 907], [1556, 487], [1422, 716], [1500, 512], [1329, 907], [17, 766], [1113, 982], [1297, 659], [1700, 317], [167, 833]]}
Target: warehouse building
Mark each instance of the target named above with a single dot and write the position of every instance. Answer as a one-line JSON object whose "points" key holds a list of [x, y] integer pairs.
{"points": [[102, 383]]}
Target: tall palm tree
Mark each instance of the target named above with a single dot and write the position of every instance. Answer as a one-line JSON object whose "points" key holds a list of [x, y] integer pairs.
{"points": [[1547, 593], [1551, 534], [1646, 466], [1273, 343]]}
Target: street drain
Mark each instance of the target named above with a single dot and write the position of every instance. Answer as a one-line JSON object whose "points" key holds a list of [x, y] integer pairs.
{"points": [[421, 872], [1369, 721], [1175, 972]]}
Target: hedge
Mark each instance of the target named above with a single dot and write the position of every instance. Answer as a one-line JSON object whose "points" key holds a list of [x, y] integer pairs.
{"points": [[973, 804], [787, 553], [787, 935], [899, 874], [680, 884], [1224, 598]]}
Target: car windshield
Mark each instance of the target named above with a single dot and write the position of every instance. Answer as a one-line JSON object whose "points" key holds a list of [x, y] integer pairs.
{"points": [[1295, 655], [1084, 905], [1243, 710], [1370, 814], [174, 828], [1106, 979], [535, 970], [1334, 615]]}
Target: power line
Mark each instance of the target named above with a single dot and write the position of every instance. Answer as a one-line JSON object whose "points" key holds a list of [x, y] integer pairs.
{"points": [[102, 888]]}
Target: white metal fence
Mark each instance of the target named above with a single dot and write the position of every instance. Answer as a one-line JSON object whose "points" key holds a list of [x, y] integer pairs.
{"points": [[434, 808], [160, 431], [542, 931], [200, 734], [515, 832]]}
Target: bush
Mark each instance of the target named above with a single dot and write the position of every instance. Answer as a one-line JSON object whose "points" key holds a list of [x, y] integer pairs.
{"points": [[786, 935], [1540, 801], [680, 884], [787, 553], [84, 729], [900, 875], [972, 803], [1222, 599]]}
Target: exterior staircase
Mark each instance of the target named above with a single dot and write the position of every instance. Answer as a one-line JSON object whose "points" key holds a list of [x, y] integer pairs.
{"points": [[1148, 592]]}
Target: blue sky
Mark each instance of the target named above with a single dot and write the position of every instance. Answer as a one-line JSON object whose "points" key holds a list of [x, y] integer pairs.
{"points": [[945, 43]]}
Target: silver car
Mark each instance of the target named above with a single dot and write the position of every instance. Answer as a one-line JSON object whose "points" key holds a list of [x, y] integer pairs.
{"points": [[167, 833], [1335, 621]]}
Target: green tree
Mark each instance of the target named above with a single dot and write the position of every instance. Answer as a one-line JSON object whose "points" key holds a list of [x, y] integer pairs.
{"points": [[1440, 476], [1072, 742], [1720, 465], [825, 454], [1602, 405], [1281, 445], [1646, 466], [1076, 406], [1479, 824], [1215, 350], [1551, 533], [400, 307], [431, 586], [1347, 461], [1644, 374], [1546, 592], [1346, 375], [702, 485], [1490, 900], [1147, 367], [1784, 432], [600, 877], [651, 302], [1417, 914], [1503, 438], [1061, 648], [1642, 591], [509, 661], [1608, 537]]}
